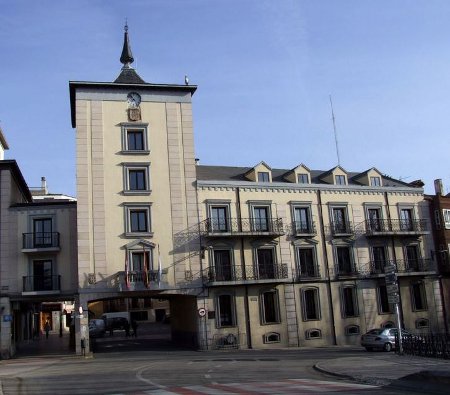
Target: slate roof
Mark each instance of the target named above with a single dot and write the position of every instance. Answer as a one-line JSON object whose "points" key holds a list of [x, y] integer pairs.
{"points": [[129, 76], [230, 173]]}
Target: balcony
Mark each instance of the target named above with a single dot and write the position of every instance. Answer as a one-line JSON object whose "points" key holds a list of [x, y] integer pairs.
{"points": [[374, 268], [42, 241], [396, 227], [140, 280], [415, 265], [346, 269], [303, 229], [235, 227], [308, 272], [342, 229], [260, 273], [41, 284]]}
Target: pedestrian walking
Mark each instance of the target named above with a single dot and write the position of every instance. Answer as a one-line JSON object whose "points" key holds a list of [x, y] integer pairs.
{"points": [[47, 328], [127, 329], [134, 325]]}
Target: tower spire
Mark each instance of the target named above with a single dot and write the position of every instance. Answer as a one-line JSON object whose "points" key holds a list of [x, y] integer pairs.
{"points": [[127, 57]]}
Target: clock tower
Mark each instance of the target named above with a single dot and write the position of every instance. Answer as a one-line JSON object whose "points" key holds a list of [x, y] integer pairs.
{"points": [[137, 210]]}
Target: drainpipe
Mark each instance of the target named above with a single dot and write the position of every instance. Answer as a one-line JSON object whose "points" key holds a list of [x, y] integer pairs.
{"points": [[246, 306], [327, 267]]}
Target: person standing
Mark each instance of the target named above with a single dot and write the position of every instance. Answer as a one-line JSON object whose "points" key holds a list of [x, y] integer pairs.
{"points": [[134, 326], [47, 328]]}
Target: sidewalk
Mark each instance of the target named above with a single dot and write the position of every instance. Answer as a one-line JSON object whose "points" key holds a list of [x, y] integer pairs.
{"points": [[390, 369]]}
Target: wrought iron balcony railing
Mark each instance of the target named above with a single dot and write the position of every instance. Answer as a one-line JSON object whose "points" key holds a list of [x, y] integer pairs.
{"points": [[376, 227], [303, 228], [415, 265], [346, 269], [40, 240], [140, 280], [344, 228], [41, 283], [402, 266], [378, 266], [276, 271], [307, 272], [244, 226]]}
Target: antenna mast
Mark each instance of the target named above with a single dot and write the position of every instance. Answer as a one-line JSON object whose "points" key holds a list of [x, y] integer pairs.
{"points": [[335, 133]]}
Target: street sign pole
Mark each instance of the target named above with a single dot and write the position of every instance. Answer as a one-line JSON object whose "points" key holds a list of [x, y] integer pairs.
{"points": [[399, 329], [394, 298]]}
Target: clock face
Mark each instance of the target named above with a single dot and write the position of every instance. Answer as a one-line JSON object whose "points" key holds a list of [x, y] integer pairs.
{"points": [[134, 99]]}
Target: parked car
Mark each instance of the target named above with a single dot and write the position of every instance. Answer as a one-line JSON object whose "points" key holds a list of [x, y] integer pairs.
{"points": [[97, 328], [382, 338]]}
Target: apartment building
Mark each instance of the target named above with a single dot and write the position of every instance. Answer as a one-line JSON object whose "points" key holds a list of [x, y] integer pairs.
{"points": [[249, 257], [245, 257], [297, 257], [440, 224], [37, 260]]}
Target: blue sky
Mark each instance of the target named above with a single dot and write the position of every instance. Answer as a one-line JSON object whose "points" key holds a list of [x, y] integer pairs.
{"points": [[264, 70]]}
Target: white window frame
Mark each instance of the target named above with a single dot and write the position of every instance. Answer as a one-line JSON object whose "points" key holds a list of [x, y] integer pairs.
{"points": [[127, 167], [310, 224], [340, 177], [423, 295], [233, 310], [316, 296], [263, 174], [219, 204], [375, 181], [354, 301], [446, 217], [277, 307], [132, 127], [301, 178], [129, 208]]}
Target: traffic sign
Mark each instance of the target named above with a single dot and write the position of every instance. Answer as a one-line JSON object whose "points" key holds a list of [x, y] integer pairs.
{"points": [[390, 269], [391, 278], [392, 289], [201, 312]]}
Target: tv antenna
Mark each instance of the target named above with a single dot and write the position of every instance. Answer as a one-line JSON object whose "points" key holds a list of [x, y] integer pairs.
{"points": [[335, 133]]}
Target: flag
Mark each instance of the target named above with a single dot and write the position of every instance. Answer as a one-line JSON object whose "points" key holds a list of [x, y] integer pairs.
{"points": [[159, 268], [146, 282], [127, 269]]}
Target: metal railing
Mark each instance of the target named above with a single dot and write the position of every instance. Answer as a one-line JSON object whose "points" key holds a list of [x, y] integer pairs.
{"points": [[426, 345], [40, 240], [303, 228], [41, 283], [306, 272], [243, 226], [346, 269], [342, 228], [236, 273], [395, 226], [415, 265]]}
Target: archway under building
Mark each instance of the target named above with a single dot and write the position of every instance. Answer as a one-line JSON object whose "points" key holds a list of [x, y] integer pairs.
{"points": [[155, 321]]}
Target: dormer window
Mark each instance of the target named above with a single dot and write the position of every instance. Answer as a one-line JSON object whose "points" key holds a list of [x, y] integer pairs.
{"points": [[375, 181], [340, 180], [302, 178], [263, 176]]}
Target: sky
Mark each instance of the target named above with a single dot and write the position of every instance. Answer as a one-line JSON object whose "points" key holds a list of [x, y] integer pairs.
{"points": [[265, 72]]}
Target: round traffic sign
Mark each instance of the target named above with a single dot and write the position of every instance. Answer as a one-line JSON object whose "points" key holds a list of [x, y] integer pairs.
{"points": [[201, 312]]}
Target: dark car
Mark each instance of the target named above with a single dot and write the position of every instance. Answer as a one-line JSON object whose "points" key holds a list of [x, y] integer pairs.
{"points": [[96, 328], [114, 323]]}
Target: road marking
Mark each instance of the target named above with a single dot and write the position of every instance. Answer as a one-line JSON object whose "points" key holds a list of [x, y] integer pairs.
{"points": [[141, 378], [285, 387]]}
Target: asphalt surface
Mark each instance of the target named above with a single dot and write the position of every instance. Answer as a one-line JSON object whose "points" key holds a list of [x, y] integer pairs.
{"points": [[390, 370]]}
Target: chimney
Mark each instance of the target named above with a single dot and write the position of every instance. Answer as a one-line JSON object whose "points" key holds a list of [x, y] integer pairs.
{"points": [[438, 187], [44, 185]]}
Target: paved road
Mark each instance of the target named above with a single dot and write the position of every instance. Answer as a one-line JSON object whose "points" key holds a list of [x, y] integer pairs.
{"points": [[182, 372]]}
